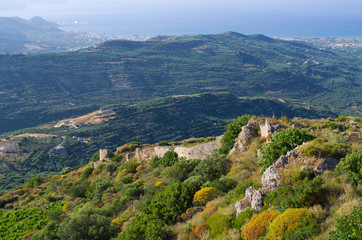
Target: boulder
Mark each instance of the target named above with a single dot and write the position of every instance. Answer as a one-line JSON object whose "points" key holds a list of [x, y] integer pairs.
{"points": [[266, 129], [253, 199], [247, 134]]}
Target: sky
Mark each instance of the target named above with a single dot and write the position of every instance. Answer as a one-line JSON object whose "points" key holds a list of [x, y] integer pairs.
{"points": [[281, 18]]}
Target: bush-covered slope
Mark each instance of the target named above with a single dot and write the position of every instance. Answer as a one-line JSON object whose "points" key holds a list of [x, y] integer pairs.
{"points": [[182, 200], [36, 89], [164, 119]]}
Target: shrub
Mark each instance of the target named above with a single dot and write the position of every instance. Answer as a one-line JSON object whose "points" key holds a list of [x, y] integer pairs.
{"points": [[180, 171], [348, 227], [195, 182], [218, 224], [169, 158], [321, 148], [196, 233], [212, 167], [155, 162], [351, 165], [86, 173], [232, 131], [78, 189], [168, 204], [280, 144], [121, 174], [302, 193], [204, 195], [242, 218], [258, 225], [117, 224], [131, 166], [35, 181], [342, 118], [308, 227], [95, 157], [287, 221], [111, 167], [223, 184]]}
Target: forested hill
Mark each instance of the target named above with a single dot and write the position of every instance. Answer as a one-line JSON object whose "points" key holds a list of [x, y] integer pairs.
{"points": [[40, 88]]}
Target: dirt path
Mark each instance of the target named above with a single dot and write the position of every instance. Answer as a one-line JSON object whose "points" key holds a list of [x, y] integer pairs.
{"points": [[52, 149]]}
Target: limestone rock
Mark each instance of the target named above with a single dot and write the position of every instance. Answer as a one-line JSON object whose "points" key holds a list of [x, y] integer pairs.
{"points": [[9, 147], [161, 150], [144, 153], [266, 129], [253, 199], [248, 132], [105, 154], [199, 151]]}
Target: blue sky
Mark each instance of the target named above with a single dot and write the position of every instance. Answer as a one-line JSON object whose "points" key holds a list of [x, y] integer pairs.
{"points": [[284, 18]]}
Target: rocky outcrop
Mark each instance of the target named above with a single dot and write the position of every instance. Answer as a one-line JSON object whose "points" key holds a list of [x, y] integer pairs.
{"points": [[251, 131], [253, 199], [199, 151], [161, 150], [267, 129], [145, 153], [9, 147], [105, 155]]}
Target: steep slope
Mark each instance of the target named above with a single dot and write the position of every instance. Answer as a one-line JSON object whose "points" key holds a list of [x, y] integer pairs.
{"points": [[171, 197], [55, 86]]}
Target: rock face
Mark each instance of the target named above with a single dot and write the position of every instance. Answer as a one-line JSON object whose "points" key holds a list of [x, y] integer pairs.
{"points": [[145, 153], [9, 147], [253, 199], [160, 151], [267, 129], [199, 151], [248, 132], [105, 155]]}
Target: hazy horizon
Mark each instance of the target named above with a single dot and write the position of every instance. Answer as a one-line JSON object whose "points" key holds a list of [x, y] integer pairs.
{"points": [[280, 18]]}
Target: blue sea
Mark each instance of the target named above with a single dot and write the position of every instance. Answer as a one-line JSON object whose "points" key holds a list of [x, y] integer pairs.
{"points": [[271, 26]]}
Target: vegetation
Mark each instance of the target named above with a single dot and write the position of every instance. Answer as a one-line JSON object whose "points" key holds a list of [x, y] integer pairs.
{"points": [[280, 144], [192, 198], [352, 166]]}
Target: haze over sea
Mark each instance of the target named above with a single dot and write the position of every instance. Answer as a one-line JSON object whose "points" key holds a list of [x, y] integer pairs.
{"points": [[270, 26], [280, 18]]}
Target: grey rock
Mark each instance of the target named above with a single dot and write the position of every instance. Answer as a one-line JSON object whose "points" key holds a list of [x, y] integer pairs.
{"points": [[9, 147], [253, 199], [105, 154]]}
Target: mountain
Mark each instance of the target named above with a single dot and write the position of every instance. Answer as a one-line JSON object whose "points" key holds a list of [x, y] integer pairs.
{"points": [[25, 153], [309, 188], [37, 35], [40, 88]]}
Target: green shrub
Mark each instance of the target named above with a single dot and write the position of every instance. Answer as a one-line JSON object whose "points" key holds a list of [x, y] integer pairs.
{"points": [[168, 204], [242, 218], [95, 157], [287, 221], [155, 162], [223, 184], [308, 227], [212, 167], [280, 144], [35, 181], [195, 182], [169, 158], [218, 224], [232, 131], [342, 118], [78, 189], [351, 165], [348, 227], [321, 148], [180, 171], [236, 192], [131, 166], [86, 173], [303, 193]]}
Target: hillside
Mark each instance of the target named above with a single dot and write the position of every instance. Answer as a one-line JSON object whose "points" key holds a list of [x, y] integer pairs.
{"points": [[270, 186], [36, 89], [163, 119]]}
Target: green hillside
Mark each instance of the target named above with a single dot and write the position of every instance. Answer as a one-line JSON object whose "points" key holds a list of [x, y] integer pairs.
{"points": [[36, 89], [170, 197], [164, 119]]}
